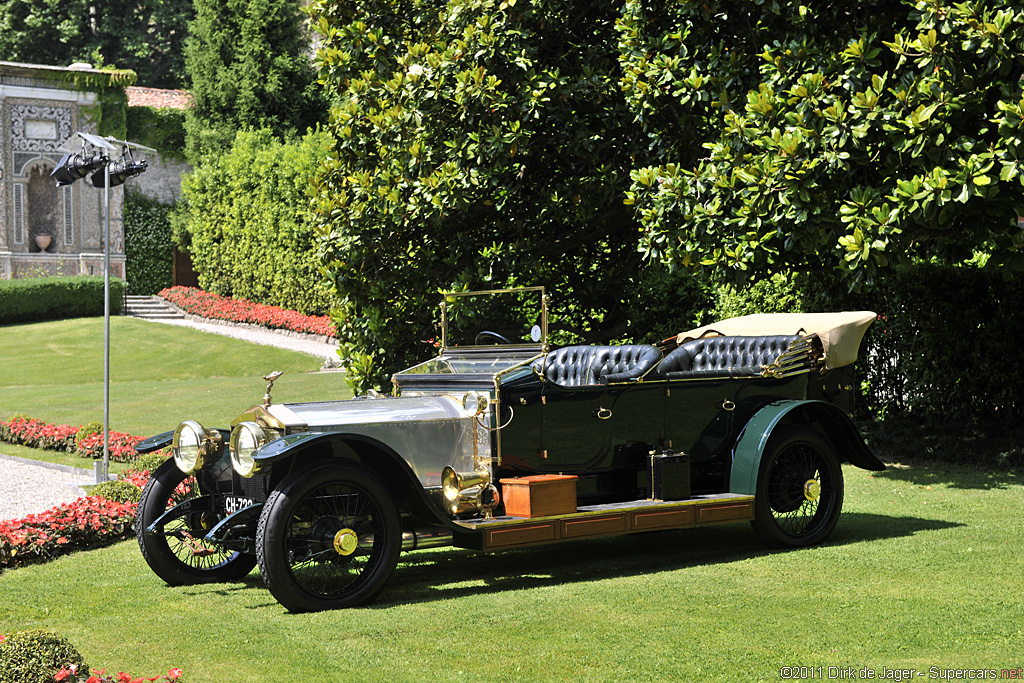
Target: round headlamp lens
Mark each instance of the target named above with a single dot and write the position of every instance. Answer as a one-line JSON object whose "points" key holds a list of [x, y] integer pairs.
{"points": [[188, 438], [246, 439]]}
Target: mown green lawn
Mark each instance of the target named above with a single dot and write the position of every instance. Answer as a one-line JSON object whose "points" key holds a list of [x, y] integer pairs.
{"points": [[160, 374], [924, 570]]}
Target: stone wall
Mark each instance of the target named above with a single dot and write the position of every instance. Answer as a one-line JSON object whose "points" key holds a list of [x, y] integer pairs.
{"points": [[44, 229], [162, 179]]}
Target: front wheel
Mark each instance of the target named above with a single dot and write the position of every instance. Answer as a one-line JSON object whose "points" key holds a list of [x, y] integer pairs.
{"points": [[179, 555], [328, 538], [799, 490]]}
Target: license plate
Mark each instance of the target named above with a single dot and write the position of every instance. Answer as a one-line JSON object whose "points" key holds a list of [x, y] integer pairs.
{"points": [[233, 504]]}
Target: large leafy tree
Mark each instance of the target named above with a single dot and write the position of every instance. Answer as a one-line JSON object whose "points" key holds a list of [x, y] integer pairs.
{"points": [[146, 36], [249, 66], [478, 143], [833, 138]]}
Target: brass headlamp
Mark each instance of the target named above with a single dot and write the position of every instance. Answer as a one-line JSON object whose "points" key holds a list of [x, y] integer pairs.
{"points": [[196, 447]]}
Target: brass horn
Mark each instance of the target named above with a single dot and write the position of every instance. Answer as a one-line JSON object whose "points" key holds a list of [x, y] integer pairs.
{"points": [[453, 482], [469, 491], [484, 497]]}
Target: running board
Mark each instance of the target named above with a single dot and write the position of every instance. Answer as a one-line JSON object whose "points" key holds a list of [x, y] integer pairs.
{"points": [[611, 519]]}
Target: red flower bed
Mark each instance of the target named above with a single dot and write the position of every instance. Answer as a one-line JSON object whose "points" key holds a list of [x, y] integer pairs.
{"points": [[69, 675], [206, 305], [86, 523], [122, 446], [34, 433]]}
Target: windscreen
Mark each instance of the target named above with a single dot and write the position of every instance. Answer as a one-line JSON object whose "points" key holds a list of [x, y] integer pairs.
{"points": [[495, 318]]}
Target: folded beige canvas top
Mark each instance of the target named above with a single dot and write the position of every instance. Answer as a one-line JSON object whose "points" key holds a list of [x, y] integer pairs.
{"points": [[840, 333]]}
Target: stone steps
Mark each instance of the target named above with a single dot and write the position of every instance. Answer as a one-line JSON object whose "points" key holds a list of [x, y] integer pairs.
{"points": [[150, 308]]}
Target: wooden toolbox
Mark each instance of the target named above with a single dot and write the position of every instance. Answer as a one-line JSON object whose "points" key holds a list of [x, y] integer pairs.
{"points": [[540, 495]]}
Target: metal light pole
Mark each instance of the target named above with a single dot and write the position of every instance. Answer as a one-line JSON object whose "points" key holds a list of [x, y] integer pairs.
{"points": [[74, 167]]}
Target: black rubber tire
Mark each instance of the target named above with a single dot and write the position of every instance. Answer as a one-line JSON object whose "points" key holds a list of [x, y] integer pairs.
{"points": [[182, 561], [295, 539], [784, 516]]}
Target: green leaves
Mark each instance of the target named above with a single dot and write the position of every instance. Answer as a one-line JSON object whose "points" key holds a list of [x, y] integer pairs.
{"points": [[862, 138]]}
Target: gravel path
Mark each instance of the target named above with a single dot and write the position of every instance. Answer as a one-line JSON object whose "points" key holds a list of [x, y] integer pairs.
{"points": [[29, 489], [262, 336]]}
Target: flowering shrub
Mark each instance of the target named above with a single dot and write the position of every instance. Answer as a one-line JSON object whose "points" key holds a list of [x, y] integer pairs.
{"points": [[86, 523], [69, 672], [122, 446], [207, 305]]}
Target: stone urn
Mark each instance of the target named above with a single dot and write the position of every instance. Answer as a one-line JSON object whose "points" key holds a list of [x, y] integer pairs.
{"points": [[42, 241]]}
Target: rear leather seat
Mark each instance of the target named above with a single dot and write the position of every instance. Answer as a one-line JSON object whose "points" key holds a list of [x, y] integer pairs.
{"points": [[722, 357]]}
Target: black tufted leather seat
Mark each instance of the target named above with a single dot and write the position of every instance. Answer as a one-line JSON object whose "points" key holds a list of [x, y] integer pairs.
{"points": [[723, 356], [572, 366]]}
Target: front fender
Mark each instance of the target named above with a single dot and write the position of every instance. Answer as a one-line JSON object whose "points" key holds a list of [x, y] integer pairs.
{"points": [[394, 471], [750, 447], [155, 443]]}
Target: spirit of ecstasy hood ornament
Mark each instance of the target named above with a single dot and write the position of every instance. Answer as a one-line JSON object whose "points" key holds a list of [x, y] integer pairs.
{"points": [[270, 385]]}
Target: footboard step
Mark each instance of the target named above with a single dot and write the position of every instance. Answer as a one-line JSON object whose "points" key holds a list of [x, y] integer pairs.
{"points": [[604, 520]]}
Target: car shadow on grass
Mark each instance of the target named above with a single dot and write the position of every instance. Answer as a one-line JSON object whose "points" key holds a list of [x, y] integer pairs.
{"points": [[426, 576]]}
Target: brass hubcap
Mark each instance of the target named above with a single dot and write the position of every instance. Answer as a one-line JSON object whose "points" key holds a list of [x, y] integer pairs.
{"points": [[812, 489], [346, 542]]}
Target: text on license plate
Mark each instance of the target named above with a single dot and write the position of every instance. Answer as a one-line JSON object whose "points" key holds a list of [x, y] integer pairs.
{"points": [[233, 504]]}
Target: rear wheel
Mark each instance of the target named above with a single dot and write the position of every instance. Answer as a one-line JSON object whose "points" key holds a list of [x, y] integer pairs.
{"points": [[799, 490], [179, 555], [328, 538]]}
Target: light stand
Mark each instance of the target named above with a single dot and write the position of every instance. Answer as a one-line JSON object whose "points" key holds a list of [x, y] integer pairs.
{"points": [[74, 167]]}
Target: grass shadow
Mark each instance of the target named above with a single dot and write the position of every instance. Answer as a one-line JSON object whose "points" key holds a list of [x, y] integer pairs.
{"points": [[427, 576], [956, 477]]}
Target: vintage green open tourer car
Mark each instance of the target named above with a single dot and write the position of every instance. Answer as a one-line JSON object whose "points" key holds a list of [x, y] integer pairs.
{"points": [[501, 442]]}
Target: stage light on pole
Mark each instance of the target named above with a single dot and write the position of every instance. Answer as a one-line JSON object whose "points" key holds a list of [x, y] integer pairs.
{"points": [[121, 170], [106, 174], [72, 167]]}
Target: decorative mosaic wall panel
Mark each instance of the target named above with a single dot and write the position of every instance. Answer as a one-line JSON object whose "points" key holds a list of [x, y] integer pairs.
{"points": [[40, 127], [19, 213], [69, 230]]}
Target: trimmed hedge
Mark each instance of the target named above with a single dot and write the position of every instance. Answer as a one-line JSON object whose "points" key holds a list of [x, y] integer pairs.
{"points": [[946, 346], [36, 656], [244, 217], [56, 298]]}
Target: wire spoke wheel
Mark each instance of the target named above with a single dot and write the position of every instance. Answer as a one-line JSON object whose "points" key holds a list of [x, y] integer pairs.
{"points": [[179, 555], [800, 490], [313, 559], [328, 539]]}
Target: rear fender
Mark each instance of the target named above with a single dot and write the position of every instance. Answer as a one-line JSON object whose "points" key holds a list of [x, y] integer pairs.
{"points": [[836, 426]]}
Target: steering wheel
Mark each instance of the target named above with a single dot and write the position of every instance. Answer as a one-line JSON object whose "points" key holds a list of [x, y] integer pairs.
{"points": [[483, 334]]}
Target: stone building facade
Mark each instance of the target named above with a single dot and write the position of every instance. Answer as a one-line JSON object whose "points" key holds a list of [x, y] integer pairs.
{"points": [[44, 229]]}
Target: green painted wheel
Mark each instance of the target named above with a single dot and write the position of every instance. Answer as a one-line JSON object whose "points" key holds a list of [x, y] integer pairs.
{"points": [[799, 490]]}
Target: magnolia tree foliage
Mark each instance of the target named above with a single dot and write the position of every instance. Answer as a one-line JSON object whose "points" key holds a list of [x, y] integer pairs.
{"points": [[478, 143], [845, 137]]}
